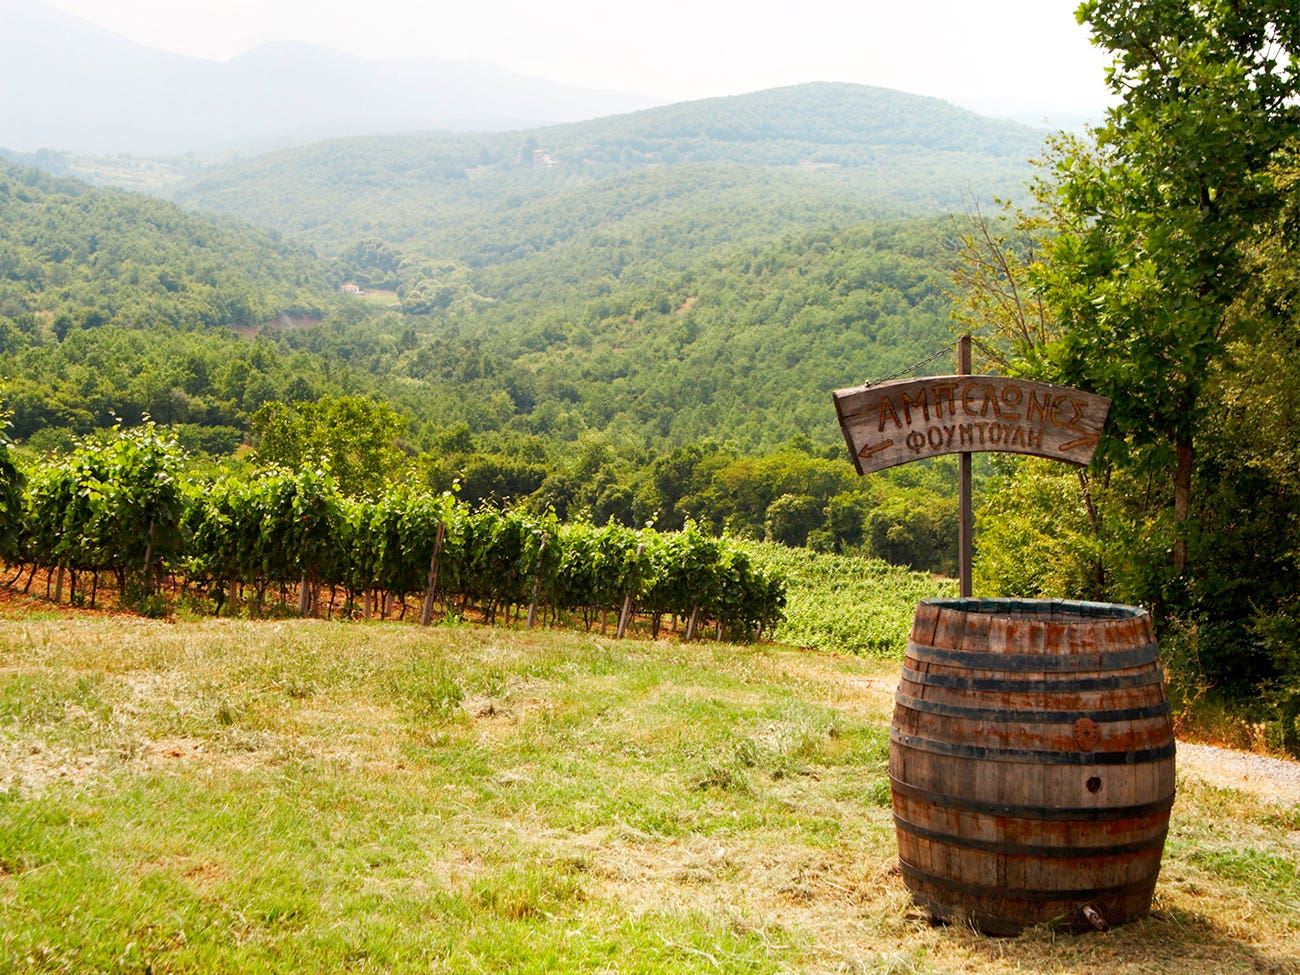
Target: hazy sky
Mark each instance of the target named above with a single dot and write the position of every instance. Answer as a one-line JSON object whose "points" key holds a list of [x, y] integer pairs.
{"points": [[962, 50]]}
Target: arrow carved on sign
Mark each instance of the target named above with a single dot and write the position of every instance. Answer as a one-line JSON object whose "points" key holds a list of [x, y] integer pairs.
{"points": [[870, 450], [1088, 441]]}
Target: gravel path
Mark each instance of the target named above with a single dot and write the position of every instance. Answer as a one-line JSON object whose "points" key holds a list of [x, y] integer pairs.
{"points": [[1272, 779]]}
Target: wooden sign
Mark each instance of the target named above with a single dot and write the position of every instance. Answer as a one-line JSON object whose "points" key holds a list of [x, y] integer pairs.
{"points": [[896, 422]]}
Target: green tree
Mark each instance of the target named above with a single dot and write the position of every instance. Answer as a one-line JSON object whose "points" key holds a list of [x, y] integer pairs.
{"points": [[1247, 498], [917, 529], [845, 514], [1165, 278], [1156, 221], [791, 517], [373, 263], [354, 439]]}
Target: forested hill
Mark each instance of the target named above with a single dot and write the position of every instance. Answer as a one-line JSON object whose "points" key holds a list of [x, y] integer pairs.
{"points": [[490, 235], [820, 123], [804, 152], [707, 270], [745, 347], [79, 257], [113, 305]]}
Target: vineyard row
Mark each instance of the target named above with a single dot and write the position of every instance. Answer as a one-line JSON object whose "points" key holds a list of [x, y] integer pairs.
{"points": [[123, 508]]}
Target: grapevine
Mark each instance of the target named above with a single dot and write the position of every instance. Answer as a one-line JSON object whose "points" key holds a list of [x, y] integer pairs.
{"points": [[120, 506]]}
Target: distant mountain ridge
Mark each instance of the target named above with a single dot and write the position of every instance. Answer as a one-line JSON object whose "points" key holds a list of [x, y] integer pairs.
{"points": [[715, 265], [698, 270], [80, 88], [824, 152]]}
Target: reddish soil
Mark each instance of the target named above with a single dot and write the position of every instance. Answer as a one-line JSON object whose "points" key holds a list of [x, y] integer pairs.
{"points": [[16, 604]]}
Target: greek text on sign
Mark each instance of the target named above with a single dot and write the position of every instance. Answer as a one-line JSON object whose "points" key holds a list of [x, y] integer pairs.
{"points": [[892, 423]]}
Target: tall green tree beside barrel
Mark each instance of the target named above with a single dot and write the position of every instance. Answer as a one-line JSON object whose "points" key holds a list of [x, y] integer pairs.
{"points": [[1152, 249], [1154, 270]]}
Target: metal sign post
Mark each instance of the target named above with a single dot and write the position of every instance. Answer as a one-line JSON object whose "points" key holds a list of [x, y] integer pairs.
{"points": [[898, 421]]}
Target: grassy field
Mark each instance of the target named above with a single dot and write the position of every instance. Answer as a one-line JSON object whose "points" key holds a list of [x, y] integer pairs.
{"points": [[280, 796]]}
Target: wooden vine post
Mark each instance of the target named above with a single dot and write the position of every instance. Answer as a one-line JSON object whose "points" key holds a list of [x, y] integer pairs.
{"points": [[690, 626], [537, 583], [625, 616], [431, 584], [898, 421]]}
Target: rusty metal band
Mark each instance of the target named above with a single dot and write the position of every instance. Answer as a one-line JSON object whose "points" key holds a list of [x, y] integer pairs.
{"points": [[1137, 756], [1048, 814], [1115, 682], [1041, 610], [1152, 844], [1022, 894], [1054, 663], [1011, 715]]}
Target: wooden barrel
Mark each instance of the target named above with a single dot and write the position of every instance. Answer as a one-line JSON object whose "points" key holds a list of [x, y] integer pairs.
{"points": [[1031, 762]]}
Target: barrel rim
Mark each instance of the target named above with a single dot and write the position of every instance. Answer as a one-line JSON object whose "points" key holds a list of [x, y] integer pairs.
{"points": [[1044, 608]]}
